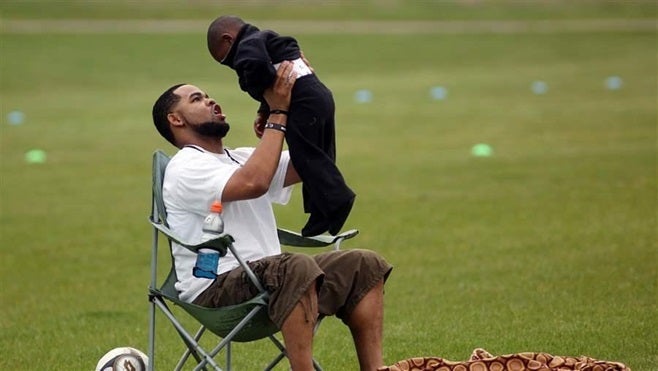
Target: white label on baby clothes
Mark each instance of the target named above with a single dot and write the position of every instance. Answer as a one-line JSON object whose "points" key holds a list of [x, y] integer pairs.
{"points": [[298, 67]]}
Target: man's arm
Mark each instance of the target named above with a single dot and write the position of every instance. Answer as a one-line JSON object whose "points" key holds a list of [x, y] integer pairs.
{"points": [[253, 179]]}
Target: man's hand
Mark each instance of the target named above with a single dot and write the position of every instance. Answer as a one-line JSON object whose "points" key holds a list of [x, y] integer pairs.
{"points": [[278, 96], [259, 123]]}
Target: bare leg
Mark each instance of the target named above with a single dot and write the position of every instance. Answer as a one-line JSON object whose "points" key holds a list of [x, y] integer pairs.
{"points": [[297, 331], [366, 325]]}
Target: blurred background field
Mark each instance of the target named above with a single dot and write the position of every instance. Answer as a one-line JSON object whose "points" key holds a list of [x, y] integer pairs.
{"points": [[546, 244]]}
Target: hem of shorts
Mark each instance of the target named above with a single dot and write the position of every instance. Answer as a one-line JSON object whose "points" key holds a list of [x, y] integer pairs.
{"points": [[297, 294], [349, 306]]}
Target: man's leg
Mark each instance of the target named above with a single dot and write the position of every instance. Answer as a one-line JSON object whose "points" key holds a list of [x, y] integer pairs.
{"points": [[293, 309], [366, 324], [353, 290], [297, 331]]}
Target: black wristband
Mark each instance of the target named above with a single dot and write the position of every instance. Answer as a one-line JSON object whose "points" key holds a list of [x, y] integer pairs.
{"points": [[278, 111], [279, 127]]}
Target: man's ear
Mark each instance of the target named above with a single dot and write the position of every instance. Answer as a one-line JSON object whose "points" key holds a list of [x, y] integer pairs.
{"points": [[175, 119]]}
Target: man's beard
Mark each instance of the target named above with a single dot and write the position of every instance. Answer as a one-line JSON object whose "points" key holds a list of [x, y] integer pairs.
{"points": [[212, 129]]}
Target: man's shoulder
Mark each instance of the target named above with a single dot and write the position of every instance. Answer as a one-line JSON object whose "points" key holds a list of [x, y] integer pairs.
{"points": [[192, 157], [188, 158], [185, 153], [240, 154], [243, 150]]}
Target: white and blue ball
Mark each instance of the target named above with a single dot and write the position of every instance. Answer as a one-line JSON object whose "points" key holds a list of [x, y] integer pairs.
{"points": [[123, 359]]}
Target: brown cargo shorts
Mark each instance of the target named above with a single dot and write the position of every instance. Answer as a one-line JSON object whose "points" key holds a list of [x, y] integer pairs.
{"points": [[343, 278]]}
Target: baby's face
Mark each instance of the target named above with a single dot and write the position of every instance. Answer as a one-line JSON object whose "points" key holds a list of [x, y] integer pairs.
{"points": [[220, 49]]}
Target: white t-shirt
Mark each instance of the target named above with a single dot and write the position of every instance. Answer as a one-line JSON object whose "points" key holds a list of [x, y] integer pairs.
{"points": [[194, 178]]}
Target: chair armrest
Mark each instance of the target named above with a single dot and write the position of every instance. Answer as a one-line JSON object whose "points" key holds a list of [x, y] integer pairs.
{"points": [[219, 244], [290, 238]]}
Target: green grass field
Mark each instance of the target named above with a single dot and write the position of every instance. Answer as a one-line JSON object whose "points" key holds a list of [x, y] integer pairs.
{"points": [[547, 245]]}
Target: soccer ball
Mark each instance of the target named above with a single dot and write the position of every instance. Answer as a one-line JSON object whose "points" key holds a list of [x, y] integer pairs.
{"points": [[123, 359]]}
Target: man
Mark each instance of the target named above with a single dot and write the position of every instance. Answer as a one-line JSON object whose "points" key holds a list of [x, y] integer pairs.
{"points": [[348, 284]]}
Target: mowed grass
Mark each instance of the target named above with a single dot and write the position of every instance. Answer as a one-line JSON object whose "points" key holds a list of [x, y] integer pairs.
{"points": [[548, 245], [329, 10]]}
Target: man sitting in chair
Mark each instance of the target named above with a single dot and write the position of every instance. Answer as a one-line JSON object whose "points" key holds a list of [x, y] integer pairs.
{"points": [[348, 284]]}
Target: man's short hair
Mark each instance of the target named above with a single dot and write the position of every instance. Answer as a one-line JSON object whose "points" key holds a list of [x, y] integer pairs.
{"points": [[161, 109]]}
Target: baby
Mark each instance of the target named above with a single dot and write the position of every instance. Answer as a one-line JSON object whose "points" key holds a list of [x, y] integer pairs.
{"points": [[255, 56]]}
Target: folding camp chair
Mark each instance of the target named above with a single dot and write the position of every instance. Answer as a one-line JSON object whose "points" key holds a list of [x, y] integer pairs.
{"points": [[244, 322]]}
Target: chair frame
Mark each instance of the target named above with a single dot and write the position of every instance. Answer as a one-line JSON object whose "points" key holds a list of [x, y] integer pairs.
{"points": [[253, 310]]}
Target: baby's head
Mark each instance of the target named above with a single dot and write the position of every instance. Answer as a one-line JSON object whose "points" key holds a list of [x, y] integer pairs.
{"points": [[221, 34]]}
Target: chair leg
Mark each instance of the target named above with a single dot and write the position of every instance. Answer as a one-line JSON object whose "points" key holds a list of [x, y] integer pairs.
{"points": [[282, 353], [151, 349], [317, 324], [316, 365], [190, 349], [228, 356], [206, 358], [227, 339]]}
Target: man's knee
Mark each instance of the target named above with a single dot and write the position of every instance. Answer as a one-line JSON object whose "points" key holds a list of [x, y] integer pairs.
{"points": [[301, 265], [297, 277], [371, 262], [349, 276]]}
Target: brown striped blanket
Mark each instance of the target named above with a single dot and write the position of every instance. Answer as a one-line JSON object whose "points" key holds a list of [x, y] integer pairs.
{"points": [[481, 360]]}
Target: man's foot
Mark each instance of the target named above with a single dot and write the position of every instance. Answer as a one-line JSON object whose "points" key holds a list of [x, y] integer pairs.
{"points": [[316, 224], [338, 217]]}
